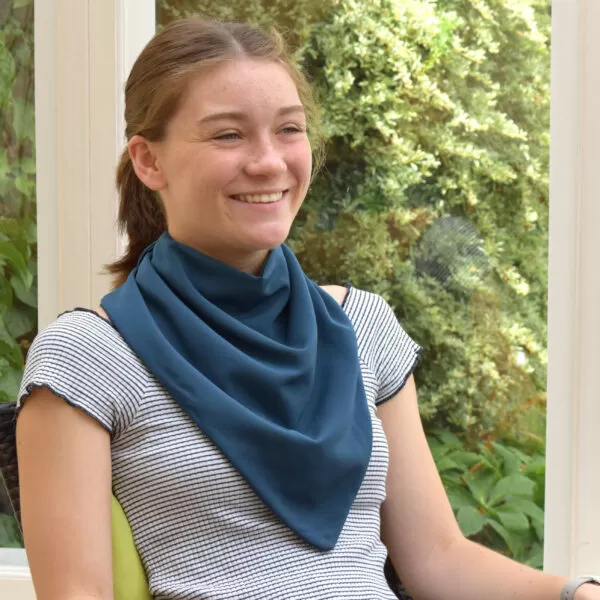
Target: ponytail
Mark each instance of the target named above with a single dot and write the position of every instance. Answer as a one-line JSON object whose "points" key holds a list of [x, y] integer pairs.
{"points": [[141, 218]]}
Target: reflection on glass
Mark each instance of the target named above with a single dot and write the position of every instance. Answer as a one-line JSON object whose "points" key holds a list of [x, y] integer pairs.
{"points": [[18, 289], [435, 195]]}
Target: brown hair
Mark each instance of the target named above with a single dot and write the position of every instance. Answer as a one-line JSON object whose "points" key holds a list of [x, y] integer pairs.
{"points": [[155, 87]]}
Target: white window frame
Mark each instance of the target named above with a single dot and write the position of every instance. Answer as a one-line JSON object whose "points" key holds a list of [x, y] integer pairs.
{"points": [[572, 532], [85, 48], [84, 51]]}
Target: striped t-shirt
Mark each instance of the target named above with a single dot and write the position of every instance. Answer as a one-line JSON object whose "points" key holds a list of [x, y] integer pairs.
{"points": [[201, 531]]}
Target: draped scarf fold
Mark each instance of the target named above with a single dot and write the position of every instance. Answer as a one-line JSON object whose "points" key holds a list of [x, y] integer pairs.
{"points": [[266, 366]]}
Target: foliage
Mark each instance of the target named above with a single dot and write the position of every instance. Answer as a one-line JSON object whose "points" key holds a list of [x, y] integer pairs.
{"points": [[10, 536], [294, 18], [497, 493], [471, 382], [435, 191], [18, 289], [437, 123], [18, 271], [9, 532]]}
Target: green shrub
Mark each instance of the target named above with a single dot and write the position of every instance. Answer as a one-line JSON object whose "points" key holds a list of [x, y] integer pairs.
{"points": [[18, 288], [18, 271], [497, 493], [437, 121], [294, 18], [435, 190], [470, 379]]}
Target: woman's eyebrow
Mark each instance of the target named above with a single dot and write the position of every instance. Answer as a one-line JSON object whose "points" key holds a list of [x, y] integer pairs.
{"points": [[241, 116]]}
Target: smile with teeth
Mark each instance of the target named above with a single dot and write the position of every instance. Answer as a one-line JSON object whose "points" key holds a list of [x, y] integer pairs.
{"points": [[260, 198]]}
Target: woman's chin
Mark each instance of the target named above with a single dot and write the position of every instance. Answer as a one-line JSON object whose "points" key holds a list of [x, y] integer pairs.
{"points": [[267, 240]]}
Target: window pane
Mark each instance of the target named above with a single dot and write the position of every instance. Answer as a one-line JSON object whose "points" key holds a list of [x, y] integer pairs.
{"points": [[435, 195], [18, 272]]}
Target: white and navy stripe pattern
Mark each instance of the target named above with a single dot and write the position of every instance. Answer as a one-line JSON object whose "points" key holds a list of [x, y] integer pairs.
{"points": [[200, 529]]}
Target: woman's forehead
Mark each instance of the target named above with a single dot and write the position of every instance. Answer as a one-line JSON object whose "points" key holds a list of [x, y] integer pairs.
{"points": [[242, 85]]}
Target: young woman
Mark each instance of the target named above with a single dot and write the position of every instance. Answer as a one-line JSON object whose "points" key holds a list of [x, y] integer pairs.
{"points": [[261, 433]]}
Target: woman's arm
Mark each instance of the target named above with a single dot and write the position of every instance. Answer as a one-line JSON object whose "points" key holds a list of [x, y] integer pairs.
{"points": [[431, 556], [65, 484]]}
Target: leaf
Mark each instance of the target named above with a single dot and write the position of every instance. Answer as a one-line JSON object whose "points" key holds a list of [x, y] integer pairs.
{"points": [[9, 532], [447, 464], [470, 521], [460, 498], [21, 246], [513, 485], [10, 383], [26, 295], [536, 467], [25, 185], [513, 520], [523, 457], [10, 254], [512, 463], [31, 233], [21, 3], [18, 323], [24, 120], [28, 166], [10, 228], [7, 73], [447, 438], [438, 450], [510, 539], [488, 459], [10, 350], [6, 296], [465, 459], [535, 557], [529, 508], [480, 484]]}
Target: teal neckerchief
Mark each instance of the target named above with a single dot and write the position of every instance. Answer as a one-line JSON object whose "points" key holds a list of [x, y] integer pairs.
{"points": [[267, 366]]}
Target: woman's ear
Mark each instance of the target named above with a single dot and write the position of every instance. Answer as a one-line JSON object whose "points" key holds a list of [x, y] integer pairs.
{"points": [[145, 163]]}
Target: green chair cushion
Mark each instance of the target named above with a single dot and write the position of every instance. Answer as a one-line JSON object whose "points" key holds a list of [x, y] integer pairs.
{"points": [[129, 577]]}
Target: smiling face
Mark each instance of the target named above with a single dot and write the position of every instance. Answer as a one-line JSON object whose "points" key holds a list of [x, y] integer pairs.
{"points": [[235, 164]]}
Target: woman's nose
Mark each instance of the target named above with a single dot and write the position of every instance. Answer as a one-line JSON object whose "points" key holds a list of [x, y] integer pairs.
{"points": [[265, 159]]}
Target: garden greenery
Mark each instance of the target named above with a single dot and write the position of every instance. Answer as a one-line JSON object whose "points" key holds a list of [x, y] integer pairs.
{"points": [[18, 252], [434, 195], [435, 190]]}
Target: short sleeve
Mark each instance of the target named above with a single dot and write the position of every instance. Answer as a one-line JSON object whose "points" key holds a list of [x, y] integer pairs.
{"points": [[82, 359], [384, 346], [396, 356]]}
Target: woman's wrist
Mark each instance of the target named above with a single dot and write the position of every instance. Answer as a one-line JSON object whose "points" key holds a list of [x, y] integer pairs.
{"points": [[588, 591]]}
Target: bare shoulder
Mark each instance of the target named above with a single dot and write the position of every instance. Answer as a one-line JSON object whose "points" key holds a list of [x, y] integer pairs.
{"points": [[101, 312], [338, 292]]}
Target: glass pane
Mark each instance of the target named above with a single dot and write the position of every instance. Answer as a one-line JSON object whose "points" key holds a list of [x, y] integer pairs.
{"points": [[18, 272], [435, 195]]}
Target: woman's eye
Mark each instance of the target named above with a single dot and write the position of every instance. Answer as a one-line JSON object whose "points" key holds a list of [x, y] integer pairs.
{"points": [[228, 136], [291, 129]]}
